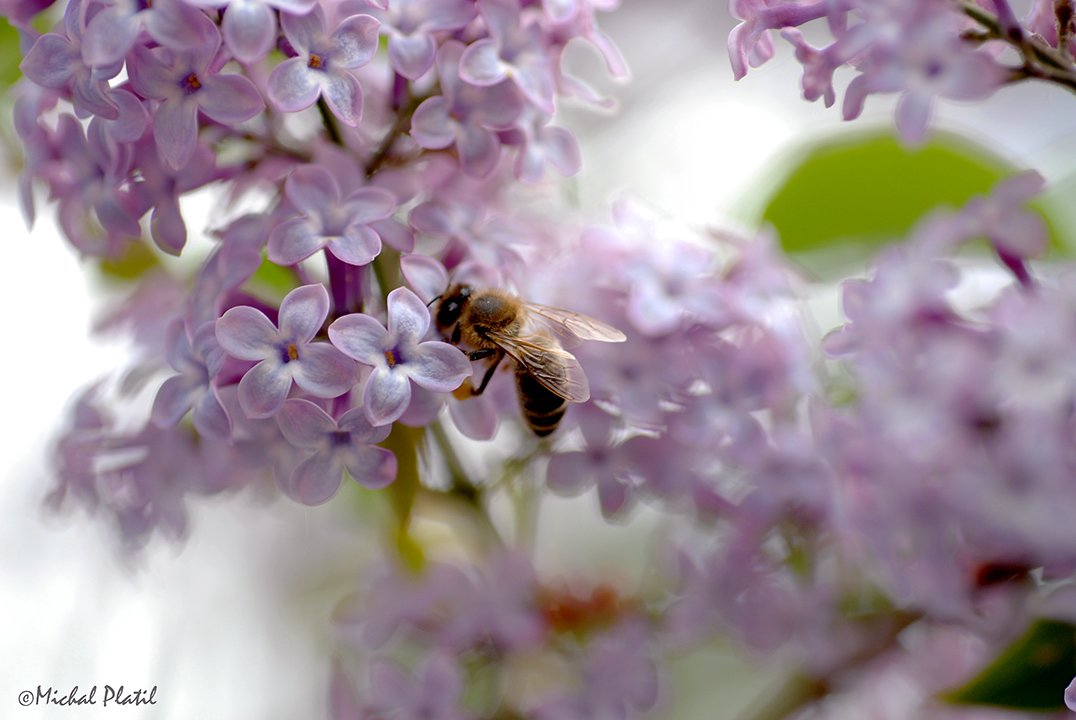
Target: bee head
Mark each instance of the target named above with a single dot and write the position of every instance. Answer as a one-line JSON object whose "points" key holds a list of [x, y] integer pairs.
{"points": [[453, 300]]}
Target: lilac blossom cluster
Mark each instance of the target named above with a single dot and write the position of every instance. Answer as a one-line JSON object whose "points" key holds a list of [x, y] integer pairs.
{"points": [[922, 49], [895, 489]]}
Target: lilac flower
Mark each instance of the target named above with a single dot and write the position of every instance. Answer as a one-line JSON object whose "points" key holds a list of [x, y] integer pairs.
{"points": [[750, 41], [818, 66], [185, 82], [928, 60], [398, 356], [55, 61], [1016, 233], [343, 225], [96, 214], [321, 68], [111, 33], [543, 145], [285, 354], [410, 26], [197, 359], [1070, 696], [249, 26], [513, 51], [465, 115], [130, 122], [431, 693], [338, 445]]}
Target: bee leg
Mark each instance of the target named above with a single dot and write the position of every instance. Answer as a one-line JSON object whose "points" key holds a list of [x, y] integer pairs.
{"points": [[498, 356]]}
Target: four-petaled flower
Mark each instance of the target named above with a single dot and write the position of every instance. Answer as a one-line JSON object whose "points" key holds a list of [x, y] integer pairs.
{"points": [[338, 445], [327, 220], [398, 356], [321, 68], [186, 82], [285, 354]]}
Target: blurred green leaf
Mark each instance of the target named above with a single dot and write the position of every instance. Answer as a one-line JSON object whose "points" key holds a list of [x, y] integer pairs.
{"points": [[10, 55], [847, 197], [1031, 674], [136, 261], [270, 281]]}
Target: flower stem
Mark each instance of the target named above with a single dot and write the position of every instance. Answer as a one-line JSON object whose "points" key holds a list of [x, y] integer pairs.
{"points": [[329, 121]]}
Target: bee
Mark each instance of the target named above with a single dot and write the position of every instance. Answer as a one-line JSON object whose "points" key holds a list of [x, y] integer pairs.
{"points": [[490, 324]]}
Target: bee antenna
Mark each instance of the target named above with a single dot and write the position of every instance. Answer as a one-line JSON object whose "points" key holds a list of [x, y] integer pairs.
{"points": [[433, 300]]}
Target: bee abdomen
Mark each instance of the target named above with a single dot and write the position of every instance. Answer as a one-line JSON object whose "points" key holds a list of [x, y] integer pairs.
{"points": [[542, 409]]}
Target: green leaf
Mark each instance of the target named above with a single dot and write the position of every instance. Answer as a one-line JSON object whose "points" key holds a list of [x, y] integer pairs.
{"points": [[1031, 674], [270, 281], [10, 55], [137, 260], [846, 197]]}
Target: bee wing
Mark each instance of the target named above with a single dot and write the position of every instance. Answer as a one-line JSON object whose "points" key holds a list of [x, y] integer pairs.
{"points": [[555, 368], [575, 325]]}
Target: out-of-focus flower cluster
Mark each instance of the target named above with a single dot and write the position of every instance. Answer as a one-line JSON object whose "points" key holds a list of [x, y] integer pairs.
{"points": [[921, 49], [898, 488]]}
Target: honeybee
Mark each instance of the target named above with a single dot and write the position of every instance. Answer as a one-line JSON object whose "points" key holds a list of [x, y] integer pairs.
{"points": [[490, 324]]}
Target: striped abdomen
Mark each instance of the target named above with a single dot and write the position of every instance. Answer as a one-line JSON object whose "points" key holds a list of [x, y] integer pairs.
{"points": [[542, 409]]}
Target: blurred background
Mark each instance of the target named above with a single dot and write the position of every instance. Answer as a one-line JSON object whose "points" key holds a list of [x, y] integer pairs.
{"points": [[233, 623]]}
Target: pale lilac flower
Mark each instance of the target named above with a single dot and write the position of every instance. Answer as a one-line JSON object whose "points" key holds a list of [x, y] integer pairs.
{"points": [[130, 122], [1016, 232], [545, 145], [111, 33], [186, 82], [55, 61], [1070, 696], [322, 65], [411, 26], [818, 66], [398, 356], [197, 359], [513, 51], [465, 115], [249, 26], [433, 692], [750, 41], [928, 60], [327, 220], [286, 354], [345, 444]]}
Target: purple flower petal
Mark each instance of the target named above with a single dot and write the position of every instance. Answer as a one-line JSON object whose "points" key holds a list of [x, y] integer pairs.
{"points": [[343, 94], [293, 86], [303, 31], [386, 396], [431, 125], [246, 334], [412, 55], [108, 36], [426, 276], [302, 312], [371, 467], [481, 64], [395, 234], [408, 315], [310, 188], [293, 241], [210, 418], [354, 422], [316, 479], [360, 337], [49, 61], [355, 41], [175, 128], [229, 99], [359, 245], [325, 372], [304, 424], [173, 400], [369, 203], [249, 30], [479, 150], [263, 389], [439, 367]]}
